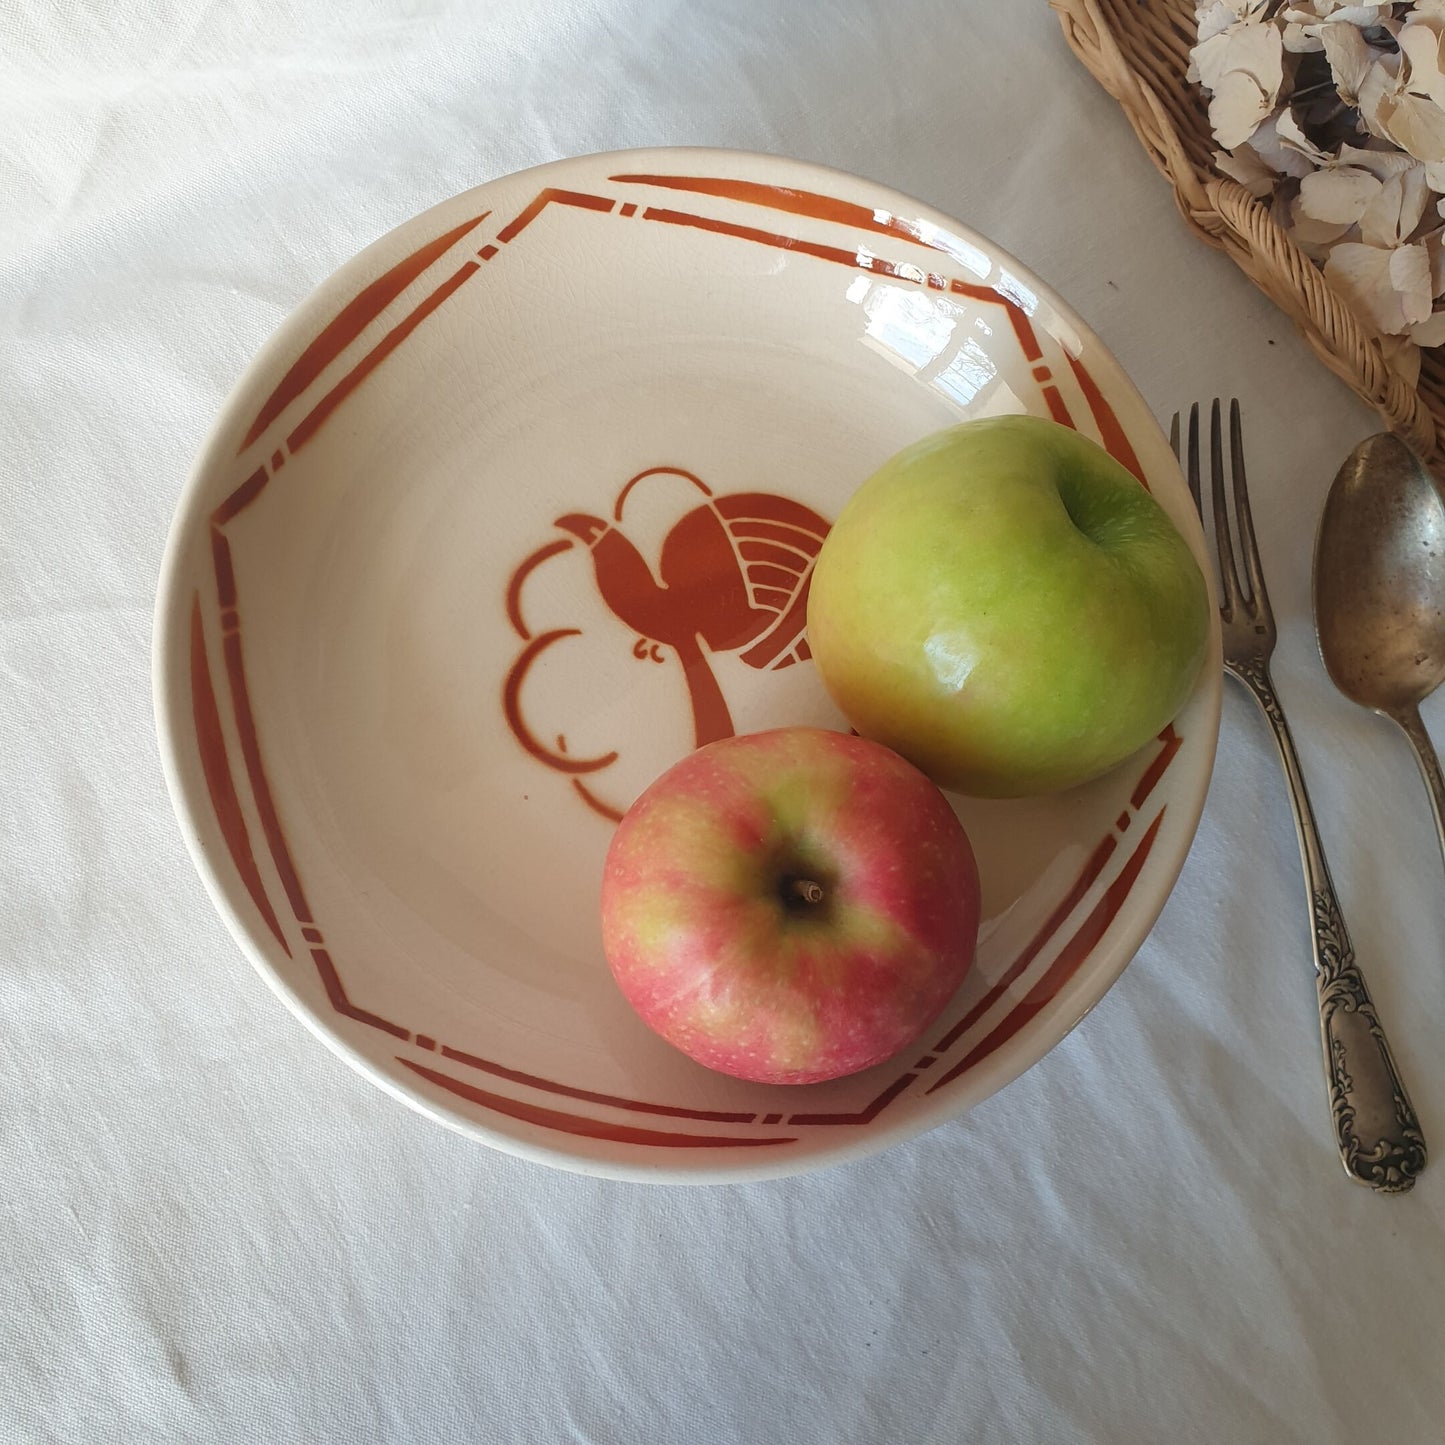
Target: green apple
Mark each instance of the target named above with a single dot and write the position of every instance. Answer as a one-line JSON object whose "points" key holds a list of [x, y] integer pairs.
{"points": [[1003, 604]]}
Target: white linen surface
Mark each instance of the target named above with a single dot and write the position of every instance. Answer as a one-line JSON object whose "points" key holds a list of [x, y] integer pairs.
{"points": [[212, 1230]]}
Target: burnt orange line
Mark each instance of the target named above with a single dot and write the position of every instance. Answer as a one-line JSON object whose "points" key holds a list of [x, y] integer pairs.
{"points": [[350, 322], [1116, 440], [1172, 743], [780, 635], [865, 1115], [748, 509], [1057, 408], [1023, 328], [260, 787], [211, 744], [1051, 925], [514, 587], [776, 598], [795, 536], [582, 1126], [769, 574], [596, 803], [331, 982], [1066, 965], [512, 708], [311, 423], [631, 482], [242, 497], [786, 198], [771, 238], [781, 554], [225, 570], [638, 1106], [829, 208], [549, 197]]}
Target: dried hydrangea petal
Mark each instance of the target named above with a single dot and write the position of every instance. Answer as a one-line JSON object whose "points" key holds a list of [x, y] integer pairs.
{"points": [[1393, 215], [1243, 68], [1410, 276], [1290, 135], [1214, 19], [1383, 163], [1402, 356], [1423, 49], [1248, 167], [1431, 331], [1339, 12], [1332, 113], [1349, 57], [1237, 107], [1365, 277], [1340, 194]]}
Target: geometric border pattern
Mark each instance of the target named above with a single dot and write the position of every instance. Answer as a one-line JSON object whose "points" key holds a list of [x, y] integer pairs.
{"points": [[327, 347]]}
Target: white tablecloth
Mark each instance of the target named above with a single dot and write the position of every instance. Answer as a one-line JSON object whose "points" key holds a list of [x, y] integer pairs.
{"points": [[212, 1230]]}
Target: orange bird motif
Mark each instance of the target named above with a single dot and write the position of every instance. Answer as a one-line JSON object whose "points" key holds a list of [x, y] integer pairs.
{"points": [[731, 575]]}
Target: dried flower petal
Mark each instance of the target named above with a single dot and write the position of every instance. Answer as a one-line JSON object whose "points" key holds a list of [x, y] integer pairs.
{"points": [[1383, 291], [1332, 113], [1349, 57], [1402, 356], [1302, 39], [1243, 68], [1313, 237], [1434, 244], [1338, 12], [1382, 163], [1340, 194], [1410, 276], [1431, 331], [1214, 19], [1392, 111], [1393, 214], [1247, 167], [1423, 50]]}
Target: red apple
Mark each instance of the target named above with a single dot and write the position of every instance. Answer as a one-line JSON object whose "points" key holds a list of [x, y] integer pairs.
{"points": [[790, 906]]}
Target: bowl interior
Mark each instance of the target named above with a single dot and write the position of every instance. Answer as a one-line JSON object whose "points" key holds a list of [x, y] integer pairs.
{"points": [[518, 508]]}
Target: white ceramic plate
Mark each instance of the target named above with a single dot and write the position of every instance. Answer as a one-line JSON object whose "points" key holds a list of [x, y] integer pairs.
{"points": [[401, 699]]}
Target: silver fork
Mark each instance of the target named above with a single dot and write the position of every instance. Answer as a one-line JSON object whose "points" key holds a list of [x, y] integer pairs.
{"points": [[1375, 1125]]}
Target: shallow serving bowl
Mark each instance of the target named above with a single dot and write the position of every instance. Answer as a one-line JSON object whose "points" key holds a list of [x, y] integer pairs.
{"points": [[403, 696]]}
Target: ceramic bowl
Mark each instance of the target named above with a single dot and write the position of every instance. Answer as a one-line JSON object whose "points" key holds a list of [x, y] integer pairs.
{"points": [[403, 695]]}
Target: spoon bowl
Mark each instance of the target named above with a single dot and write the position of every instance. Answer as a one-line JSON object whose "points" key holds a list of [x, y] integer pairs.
{"points": [[1379, 591]]}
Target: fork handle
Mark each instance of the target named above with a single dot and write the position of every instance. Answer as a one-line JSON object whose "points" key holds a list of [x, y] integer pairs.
{"points": [[1376, 1127]]}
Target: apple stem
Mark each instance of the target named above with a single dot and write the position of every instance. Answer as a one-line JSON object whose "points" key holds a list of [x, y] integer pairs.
{"points": [[807, 890]]}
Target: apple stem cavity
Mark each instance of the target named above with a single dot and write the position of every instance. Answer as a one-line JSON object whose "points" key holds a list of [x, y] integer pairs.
{"points": [[801, 895]]}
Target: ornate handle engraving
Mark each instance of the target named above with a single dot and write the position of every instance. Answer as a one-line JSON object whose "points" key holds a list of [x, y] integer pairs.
{"points": [[1376, 1127]]}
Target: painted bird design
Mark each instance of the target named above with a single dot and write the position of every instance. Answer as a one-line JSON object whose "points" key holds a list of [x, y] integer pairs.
{"points": [[700, 595]]}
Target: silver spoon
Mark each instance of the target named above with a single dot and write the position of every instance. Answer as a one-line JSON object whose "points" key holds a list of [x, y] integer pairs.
{"points": [[1379, 591]]}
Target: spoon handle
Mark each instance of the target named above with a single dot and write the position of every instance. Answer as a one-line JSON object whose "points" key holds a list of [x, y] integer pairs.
{"points": [[1376, 1127], [1410, 724]]}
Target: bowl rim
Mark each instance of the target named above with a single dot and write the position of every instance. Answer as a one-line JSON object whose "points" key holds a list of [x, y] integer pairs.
{"points": [[170, 680]]}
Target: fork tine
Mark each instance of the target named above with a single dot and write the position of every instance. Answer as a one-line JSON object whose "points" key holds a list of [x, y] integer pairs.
{"points": [[1248, 547], [1192, 470], [1233, 597]]}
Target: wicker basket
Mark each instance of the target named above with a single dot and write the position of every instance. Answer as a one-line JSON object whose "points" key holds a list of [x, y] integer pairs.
{"points": [[1138, 50]]}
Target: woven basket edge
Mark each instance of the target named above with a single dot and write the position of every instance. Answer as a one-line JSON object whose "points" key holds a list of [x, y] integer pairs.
{"points": [[1236, 224]]}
